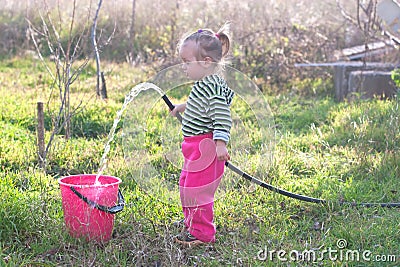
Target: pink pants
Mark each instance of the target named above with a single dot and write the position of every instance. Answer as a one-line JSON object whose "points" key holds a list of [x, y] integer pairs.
{"points": [[200, 177]]}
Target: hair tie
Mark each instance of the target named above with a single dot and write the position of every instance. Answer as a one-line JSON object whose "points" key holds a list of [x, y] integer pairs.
{"points": [[200, 31], [217, 35]]}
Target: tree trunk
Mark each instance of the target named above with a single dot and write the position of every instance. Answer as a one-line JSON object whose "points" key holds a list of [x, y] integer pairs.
{"points": [[131, 53], [96, 50], [40, 135]]}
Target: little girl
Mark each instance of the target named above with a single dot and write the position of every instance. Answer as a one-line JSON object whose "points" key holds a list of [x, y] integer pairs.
{"points": [[206, 128]]}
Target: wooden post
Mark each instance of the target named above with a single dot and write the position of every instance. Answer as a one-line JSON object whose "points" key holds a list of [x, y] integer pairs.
{"points": [[40, 135], [339, 80], [103, 86]]}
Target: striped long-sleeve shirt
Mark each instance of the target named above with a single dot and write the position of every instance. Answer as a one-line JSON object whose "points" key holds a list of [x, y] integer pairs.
{"points": [[208, 109]]}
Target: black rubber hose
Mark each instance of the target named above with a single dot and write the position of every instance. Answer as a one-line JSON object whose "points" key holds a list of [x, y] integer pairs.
{"points": [[284, 192], [272, 188]]}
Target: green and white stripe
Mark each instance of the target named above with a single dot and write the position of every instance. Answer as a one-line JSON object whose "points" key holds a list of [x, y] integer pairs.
{"points": [[208, 109]]}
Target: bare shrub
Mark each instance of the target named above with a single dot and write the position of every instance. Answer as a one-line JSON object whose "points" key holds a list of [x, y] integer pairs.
{"points": [[269, 36]]}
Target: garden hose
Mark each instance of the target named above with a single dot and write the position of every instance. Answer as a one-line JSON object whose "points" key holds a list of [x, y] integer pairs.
{"points": [[265, 185]]}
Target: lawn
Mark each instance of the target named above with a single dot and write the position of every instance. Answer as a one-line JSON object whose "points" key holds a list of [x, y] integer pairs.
{"points": [[321, 148]]}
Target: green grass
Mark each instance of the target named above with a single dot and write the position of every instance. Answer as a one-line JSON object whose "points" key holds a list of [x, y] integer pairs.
{"points": [[335, 151]]}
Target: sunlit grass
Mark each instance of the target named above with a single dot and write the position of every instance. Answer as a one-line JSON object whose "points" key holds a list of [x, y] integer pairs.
{"points": [[324, 149]]}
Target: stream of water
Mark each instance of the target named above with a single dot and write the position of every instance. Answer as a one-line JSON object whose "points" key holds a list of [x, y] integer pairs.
{"points": [[135, 91]]}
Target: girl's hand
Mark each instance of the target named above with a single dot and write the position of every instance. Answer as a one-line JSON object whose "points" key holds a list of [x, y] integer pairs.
{"points": [[178, 108], [222, 151]]}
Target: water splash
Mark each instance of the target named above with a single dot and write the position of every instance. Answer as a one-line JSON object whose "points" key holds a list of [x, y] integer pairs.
{"points": [[135, 91]]}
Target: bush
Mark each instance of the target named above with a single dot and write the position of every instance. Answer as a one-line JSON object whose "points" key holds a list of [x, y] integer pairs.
{"points": [[396, 77], [268, 38]]}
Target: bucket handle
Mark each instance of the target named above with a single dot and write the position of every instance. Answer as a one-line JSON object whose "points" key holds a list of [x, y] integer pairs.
{"points": [[112, 210]]}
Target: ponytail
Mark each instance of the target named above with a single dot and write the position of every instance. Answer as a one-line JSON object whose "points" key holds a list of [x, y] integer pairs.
{"points": [[224, 37]]}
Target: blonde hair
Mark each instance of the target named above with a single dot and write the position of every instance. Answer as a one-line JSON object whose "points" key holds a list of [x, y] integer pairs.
{"points": [[215, 45]]}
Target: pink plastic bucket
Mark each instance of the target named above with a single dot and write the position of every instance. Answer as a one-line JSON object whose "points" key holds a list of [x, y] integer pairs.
{"points": [[88, 208]]}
